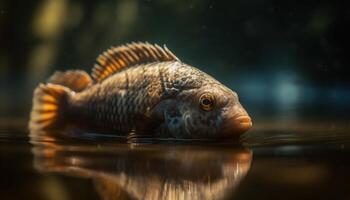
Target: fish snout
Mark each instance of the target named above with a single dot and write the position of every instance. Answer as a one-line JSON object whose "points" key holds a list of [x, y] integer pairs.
{"points": [[236, 125]]}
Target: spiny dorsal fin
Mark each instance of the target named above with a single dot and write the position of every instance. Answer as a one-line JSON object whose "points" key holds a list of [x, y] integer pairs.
{"points": [[120, 57]]}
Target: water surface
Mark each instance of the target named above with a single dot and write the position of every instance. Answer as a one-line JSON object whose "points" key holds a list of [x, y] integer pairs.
{"points": [[267, 165]]}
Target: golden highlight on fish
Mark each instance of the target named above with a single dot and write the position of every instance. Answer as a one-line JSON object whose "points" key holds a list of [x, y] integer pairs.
{"points": [[140, 90]]}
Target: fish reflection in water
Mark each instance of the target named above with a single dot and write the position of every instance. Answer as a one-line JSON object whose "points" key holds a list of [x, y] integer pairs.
{"points": [[121, 171]]}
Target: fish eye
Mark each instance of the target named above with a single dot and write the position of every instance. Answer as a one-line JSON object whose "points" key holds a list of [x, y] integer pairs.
{"points": [[207, 102]]}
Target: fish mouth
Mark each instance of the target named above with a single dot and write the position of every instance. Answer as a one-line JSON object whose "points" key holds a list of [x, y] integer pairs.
{"points": [[237, 125]]}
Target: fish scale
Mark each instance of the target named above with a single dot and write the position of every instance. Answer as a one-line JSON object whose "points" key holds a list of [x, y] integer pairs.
{"points": [[139, 89], [133, 102]]}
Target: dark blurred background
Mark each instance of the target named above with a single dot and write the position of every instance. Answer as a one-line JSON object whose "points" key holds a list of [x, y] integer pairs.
{"points": [[286, 59]]}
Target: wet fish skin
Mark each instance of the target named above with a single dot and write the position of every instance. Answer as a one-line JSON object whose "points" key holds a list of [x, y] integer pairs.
{"points": [[158, 99], [138, 97]]}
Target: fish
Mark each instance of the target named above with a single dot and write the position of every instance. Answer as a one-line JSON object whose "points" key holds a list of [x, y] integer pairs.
{"points": [[140, 90]]}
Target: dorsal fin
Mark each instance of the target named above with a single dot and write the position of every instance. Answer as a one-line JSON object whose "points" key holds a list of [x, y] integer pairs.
{"points": [[76, 80], [121, 57]]}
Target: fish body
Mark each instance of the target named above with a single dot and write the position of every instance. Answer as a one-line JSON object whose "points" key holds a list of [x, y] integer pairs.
{"points": [[140, 90]]}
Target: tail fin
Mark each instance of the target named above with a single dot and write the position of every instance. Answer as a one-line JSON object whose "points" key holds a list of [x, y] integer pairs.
{"points": [[49, 102], [76, 80]]}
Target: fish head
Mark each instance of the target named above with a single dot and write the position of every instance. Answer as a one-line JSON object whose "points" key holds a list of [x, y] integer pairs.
{"points": [[211, 111]]}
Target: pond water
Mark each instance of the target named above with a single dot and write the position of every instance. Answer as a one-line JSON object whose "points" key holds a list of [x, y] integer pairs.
{"points": [[100, 167]]}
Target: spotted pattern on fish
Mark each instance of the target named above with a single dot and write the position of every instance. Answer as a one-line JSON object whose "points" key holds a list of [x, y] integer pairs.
{"points": [[146, 90]]}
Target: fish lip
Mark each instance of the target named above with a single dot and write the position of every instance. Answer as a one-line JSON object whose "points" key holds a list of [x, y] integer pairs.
{"points": [[236, 125]]}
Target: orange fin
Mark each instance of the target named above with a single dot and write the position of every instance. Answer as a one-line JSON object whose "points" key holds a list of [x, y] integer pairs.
{"points": [[121, 57], [76, 80], [48, 105]]}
